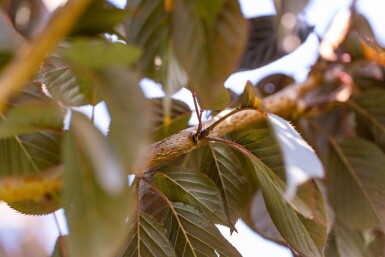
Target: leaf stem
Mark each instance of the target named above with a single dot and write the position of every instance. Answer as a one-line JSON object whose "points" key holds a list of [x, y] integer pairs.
{"points": [[210, 128]]}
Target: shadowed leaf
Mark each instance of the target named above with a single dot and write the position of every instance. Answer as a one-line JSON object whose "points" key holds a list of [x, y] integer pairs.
{"points": [[208, 46], [224, 168], [152, 242], [356, 172], [193, 188], [192, 235]]}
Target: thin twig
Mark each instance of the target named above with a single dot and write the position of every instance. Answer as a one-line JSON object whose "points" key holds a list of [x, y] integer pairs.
{"points": [[210, 128]]}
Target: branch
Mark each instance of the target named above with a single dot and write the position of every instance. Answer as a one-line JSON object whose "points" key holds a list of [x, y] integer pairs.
{"points": [[32, 54], [284, 103]]}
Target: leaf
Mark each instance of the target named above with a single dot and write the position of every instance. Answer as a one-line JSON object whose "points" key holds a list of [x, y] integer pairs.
{"points": [[169, 124], [192, 235], [152, 242], [85, 201], [10, 39], [305, 236], [224, 168], [208, 45], [358, 244], [356, 179], [262, 143], [90, 22], [194, 188], [31, 153], [262, 44], [249, 99], [370, 108], [128, 109], [65, 84], [147, 26], [258, 218], [272, 84], [295, 149], [97, 53], [108, 170], [32, 117]]}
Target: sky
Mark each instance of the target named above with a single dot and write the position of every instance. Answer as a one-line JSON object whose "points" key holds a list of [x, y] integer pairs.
{"points": [[248, 243]]}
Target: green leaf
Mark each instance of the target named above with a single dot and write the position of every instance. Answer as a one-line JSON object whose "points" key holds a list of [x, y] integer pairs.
{"points": [[97, 53], [85, 201], [356, 179], [259, 219], [305, 236], [193, 188], [32, 117], [370, 108], [108, 170], [262, 44], [347, 242], [208, 46], [249, 99], [224, 168], [65, 84], [31, 153], [147, 26], [262, 143], [192, 235], [169, 124], [128, 109], [150, 241], [91, 24]]}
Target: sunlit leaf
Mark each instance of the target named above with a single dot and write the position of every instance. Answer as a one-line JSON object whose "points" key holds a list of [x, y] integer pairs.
{"points": [[208, 45], [295, 150], [151, 239], [85, 201], [192, 235], [193, 188], [356, 179], [249, 99], [223, 166]]}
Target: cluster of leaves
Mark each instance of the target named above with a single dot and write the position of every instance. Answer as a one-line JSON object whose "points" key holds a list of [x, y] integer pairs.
{"points": [[264, 173]]}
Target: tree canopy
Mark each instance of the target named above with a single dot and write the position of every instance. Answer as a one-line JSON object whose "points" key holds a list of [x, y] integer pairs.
{"points": [[302, 164]]}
